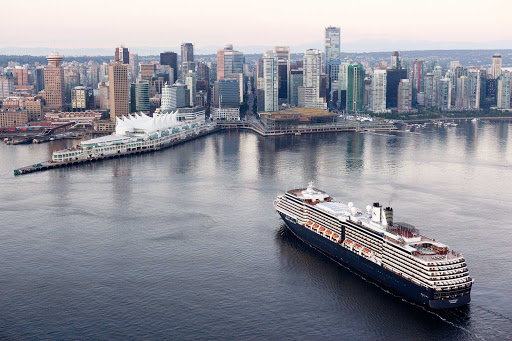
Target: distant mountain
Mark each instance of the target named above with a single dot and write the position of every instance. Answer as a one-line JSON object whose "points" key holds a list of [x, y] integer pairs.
{"points": [[359, 46]]}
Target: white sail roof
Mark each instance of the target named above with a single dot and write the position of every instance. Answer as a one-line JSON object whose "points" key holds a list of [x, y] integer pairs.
{"points": [[142, 122]]}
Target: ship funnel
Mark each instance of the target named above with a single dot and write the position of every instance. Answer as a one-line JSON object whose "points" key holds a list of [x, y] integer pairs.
{"points": [[376, 212], [387, 216]]}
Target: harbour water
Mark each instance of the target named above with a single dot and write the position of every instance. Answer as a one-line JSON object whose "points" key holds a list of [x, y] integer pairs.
{"points": [[185, 244]]}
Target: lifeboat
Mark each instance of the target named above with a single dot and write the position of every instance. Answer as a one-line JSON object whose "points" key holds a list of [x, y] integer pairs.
{"points": [[315, 227], [357, 246], [348, 242], [309, 223], [328, 233], [367, 251], [321, 229]]}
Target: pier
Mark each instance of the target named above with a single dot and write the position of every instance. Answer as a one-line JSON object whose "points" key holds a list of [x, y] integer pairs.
{"points": [[46, 165], [254, 126]]}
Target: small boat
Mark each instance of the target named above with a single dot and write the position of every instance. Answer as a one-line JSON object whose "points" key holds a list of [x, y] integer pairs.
{"points": [[315, 227], [321, 229]]}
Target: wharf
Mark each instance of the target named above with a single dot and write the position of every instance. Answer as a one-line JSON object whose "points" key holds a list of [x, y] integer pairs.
{"points": [[349, 126], [253, 126], [38, 167]]}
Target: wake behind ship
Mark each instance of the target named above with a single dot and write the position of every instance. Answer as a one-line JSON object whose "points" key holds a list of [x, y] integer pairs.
{"points": [[394, 254]]}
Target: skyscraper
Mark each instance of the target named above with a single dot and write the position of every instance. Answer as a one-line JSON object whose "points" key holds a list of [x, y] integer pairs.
{"points": [[54, 92], [171, 59], [355, 88], [122, 55], [6, 86], [270, 76], [283, 71], [142, 96], [396, 62], [430, 98], [309, 93], [418, 74], [190, 81], [404, 96], [119, 91], [134, 66], [187, 59], [229, 62], [474, 86], [379, 91], [296, 81], [496, 66], [462, 94], [332, 46], [392, 81], [504, 90], [444, 94]]}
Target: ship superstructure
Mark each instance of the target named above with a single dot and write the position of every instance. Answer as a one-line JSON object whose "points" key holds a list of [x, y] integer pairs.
{"points": [[392, 253]]}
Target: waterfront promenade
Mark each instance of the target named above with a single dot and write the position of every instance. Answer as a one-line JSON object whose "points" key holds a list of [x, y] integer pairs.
{"points": [[254, 126]]}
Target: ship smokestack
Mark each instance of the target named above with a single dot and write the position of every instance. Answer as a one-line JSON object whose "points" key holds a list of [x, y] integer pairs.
{"points": [[376, 212], [387, 216]]}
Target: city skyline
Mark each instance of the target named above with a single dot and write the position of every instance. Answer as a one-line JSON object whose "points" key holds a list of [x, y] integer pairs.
{"points": [[277, 29]]}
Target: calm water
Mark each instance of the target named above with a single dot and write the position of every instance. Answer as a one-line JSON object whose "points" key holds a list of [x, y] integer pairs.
{"points": [[185, 244]]}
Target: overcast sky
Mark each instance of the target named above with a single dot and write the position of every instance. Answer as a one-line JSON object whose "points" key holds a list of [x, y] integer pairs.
{"points": [[107, 23]]}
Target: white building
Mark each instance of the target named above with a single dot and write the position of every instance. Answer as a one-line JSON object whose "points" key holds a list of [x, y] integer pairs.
{"points": [[404, 96], [504, 90], [190, 82], [496, 66], [311, 80], [270, 79], [379, 91]]}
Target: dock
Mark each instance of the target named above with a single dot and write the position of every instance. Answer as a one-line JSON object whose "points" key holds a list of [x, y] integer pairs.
{"points": [[47, 165], [258, 128]]}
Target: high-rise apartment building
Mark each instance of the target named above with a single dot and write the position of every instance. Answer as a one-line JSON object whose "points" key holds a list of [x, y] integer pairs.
{"points": [[504, 90], [271, 84], [309, 93], [171, 59], [462, 93], [418, 76], [379, 85], [430, 98], [6, 86], [122, 55], [332, 46], [474, 86], [496, 66], [119, 91], [404, 96], [444, 100], [355, 88], [229, 62], [54, 86]]}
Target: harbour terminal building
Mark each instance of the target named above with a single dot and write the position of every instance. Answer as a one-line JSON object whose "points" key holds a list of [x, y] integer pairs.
{"points": [[138, 133]]}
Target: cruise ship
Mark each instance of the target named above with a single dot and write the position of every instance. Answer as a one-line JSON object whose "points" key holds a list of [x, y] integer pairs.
{"points": [[138, 133], [394, 254]]}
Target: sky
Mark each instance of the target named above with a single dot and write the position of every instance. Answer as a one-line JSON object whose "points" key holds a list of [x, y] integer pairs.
{"points": [[162, 23]]}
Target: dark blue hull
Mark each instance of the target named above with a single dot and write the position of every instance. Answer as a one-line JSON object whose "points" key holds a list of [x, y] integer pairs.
{"points": [[370, 269]]}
